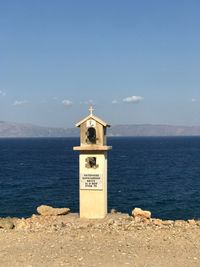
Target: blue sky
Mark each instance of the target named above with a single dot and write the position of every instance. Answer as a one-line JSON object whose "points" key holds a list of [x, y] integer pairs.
{"points": [[136, 61]]}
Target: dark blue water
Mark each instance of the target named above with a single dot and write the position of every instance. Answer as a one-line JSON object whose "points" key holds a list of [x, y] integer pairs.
{"points": [[157, 174]]}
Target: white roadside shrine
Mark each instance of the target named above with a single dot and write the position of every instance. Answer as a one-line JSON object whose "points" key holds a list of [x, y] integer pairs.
{"points": [[92, 167]]}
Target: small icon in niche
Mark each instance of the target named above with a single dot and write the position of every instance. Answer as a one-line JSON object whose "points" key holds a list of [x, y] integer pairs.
{"points": [[91, 162], [91, 135]]}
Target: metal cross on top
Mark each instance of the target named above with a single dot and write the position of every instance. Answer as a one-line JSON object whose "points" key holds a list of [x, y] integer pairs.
{"points": [[91, 109]]}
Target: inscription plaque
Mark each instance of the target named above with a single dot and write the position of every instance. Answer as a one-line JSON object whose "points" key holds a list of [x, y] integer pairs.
{"points": [[91, 181]]}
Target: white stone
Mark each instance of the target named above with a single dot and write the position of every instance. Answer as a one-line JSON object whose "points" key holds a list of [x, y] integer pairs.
{"points": [[137, 212]]}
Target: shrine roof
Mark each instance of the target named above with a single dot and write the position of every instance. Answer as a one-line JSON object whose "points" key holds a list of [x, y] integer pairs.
{"points": [[92, 117]]}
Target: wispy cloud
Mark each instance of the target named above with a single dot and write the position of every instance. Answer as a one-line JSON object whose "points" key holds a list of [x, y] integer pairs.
{"points": [[114, 101], [87, 102], [67, 102], [194, 100], [133, 99], [20, 102], [2, 93]]}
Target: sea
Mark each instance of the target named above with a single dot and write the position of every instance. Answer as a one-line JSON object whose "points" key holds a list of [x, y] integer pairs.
{"points": [[160, 174]]}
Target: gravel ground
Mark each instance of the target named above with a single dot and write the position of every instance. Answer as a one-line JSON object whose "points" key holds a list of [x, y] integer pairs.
{"points": [[117, 240]]}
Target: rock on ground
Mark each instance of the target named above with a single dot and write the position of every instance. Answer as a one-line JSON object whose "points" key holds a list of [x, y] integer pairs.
{"points": [[137, 212], [6, 224], [50, 211]]}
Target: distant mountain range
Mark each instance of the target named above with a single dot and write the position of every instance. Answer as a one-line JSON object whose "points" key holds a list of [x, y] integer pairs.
{"points": [[8, 129]]}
